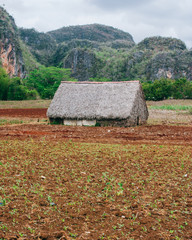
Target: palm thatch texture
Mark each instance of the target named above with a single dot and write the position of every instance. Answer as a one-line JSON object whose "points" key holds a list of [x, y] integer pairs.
{"points": [[105, 104]]}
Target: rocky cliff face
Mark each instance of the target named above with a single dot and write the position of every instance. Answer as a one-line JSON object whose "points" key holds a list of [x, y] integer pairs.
{"points": [[172, 65], [159, 57], [10, 51], [83, 63]]}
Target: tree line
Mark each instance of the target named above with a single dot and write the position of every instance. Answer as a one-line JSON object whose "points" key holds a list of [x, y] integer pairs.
{"points": [[166, 88], [41, 83], [44, 81]]}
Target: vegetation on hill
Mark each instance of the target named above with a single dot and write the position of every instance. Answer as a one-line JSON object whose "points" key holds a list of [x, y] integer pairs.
{"points": [[41, 45], [65, 48], [158, 57], [161, 44], [78, 48], [91, 32], [29, 60]]}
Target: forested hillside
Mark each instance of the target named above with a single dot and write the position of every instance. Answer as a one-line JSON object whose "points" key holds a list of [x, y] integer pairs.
{"points": [[97, 51], [93, 52]]}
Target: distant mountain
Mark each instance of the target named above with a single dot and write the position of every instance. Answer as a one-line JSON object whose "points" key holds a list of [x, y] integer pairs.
{"points": [[159, 57], [92, 52], [76, 47], [159, 44], [91, 32]]}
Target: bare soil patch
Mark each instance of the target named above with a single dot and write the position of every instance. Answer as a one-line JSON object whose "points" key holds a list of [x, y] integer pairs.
{"points": [[24, 113], [157, 134]]}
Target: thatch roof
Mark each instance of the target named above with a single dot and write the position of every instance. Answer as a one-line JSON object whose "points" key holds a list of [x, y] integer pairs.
{"points": [[90, 100]]}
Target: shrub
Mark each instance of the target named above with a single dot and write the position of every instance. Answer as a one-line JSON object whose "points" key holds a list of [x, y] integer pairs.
{"points": [[158, 90], [166, 88], [46, 80], [4, 84], [16, 90], [182, 88]]}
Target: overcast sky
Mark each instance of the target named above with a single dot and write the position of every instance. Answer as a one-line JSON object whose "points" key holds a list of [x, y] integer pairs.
{"points": [[141, 18]]}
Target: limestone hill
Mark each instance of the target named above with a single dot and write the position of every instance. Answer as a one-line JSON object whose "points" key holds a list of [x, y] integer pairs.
{"points": [[94, 52]]}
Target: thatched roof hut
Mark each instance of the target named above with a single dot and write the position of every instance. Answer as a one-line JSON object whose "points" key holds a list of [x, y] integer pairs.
{"points": [[105, 104]]}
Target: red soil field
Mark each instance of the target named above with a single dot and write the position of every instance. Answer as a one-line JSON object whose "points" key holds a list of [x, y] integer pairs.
{"points": [[155, 134], [129, 183], [27, 112]]}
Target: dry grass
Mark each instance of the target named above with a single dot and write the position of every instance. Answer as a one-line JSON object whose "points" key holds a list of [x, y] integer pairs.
{"points": [[182, 102], [170, 117], [25, 104]]}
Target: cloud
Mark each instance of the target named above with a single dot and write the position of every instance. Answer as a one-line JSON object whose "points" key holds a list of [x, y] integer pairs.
{"points": [[45, 15], [119, 4]]}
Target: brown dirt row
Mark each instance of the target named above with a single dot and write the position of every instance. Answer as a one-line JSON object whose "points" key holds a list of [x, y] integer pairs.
{"points": [[28, 112], [156, 134]]}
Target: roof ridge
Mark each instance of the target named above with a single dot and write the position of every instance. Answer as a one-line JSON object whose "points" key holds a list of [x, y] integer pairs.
{"points": [[86, 82]]}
